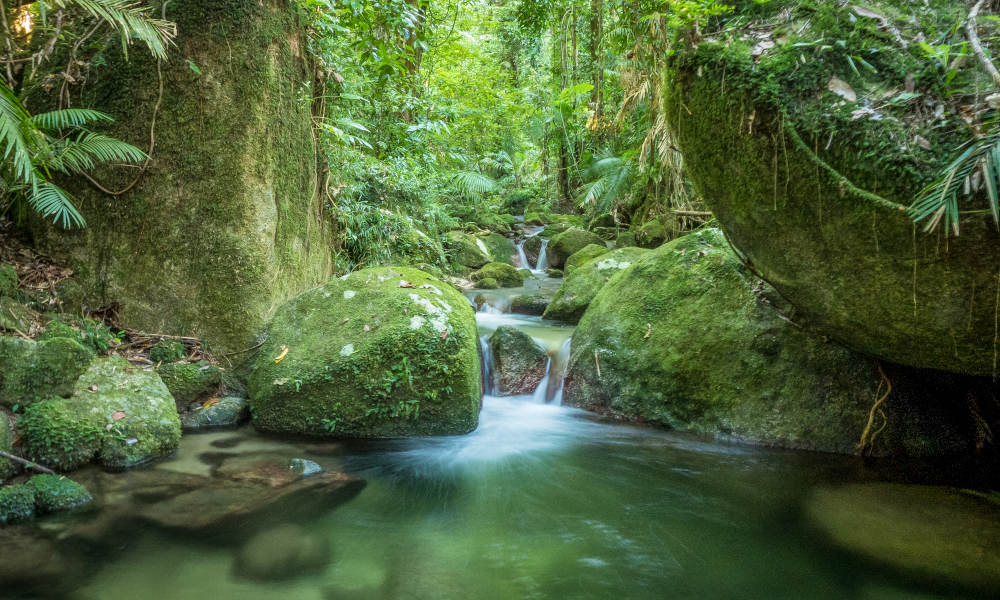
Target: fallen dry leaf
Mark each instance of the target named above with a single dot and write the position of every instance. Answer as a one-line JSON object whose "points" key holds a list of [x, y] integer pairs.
{"points": [[281, 357], [209, 403], [406, 284], [649, 330], [118, 415]]}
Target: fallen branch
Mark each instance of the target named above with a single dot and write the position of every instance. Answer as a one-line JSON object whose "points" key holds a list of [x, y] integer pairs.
{"points": [[27, 463], [977, 47], [692, 213]]}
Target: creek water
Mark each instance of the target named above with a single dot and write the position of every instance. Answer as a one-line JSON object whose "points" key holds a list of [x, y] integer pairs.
{"points": [[541, 501]]}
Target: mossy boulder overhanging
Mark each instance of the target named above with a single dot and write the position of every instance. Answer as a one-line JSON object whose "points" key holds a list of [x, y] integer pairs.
{"points": [[382, 352], [505, 275], [689, 339], [585, 254], [583, 284], [812, 186], [519, 362], [225, 223], [565, 244], [501, 248], [121, 415]]}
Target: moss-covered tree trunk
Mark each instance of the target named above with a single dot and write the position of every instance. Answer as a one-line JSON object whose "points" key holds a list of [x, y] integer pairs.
{"points": [[226, 222]]}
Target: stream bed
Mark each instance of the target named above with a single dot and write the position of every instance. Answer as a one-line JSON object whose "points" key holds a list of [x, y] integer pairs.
{"points": [[541, 501]]}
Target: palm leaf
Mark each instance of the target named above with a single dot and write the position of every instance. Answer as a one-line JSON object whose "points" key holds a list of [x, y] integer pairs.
{"points": [[52, 201], [90, 149], [473, 183], [132, 20], [12, 138], [68, 117]]}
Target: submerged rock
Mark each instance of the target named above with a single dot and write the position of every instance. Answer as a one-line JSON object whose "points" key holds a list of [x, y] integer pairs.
{"points": [[688, 338], [585, 254], [518, 361], [17, 504], [931, 532], [284, 552], [381, 352], [568, 243], [223, 412], [190, 382], [119, 414], [30, 371], [505, 275], [466, 250], [580, 286]]}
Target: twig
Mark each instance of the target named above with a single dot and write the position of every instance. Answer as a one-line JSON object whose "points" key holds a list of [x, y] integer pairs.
{"points": [[27, 463], [251, 349], [692, 213], [977, 47]]}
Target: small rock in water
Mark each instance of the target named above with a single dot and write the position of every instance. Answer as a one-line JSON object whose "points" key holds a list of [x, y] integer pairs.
{"points": [[284, 552], [304, 467]]}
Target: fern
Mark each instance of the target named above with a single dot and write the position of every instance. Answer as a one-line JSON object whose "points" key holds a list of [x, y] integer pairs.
{"points": [[132, 20], [938, 202], [472, 183], [67, 118]]}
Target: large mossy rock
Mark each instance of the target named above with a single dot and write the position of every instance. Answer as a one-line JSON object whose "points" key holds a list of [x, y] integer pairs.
{"points": [[569, 242], [505, 275], [518, 361], [382, 352], [55, 493], [31, 371], [501, 248], [585, 254], [934, 533], [225, 224], [466, 250], [815, 196], [532, 247], [583, 284], [688, 338], [121, 415], [190, 382]]}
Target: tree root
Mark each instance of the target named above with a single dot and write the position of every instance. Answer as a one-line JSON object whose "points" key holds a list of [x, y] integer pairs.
{"points": [[27, 463], [867, 443]]}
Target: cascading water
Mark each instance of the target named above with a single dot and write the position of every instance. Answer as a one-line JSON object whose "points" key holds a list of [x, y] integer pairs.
{"points": [[522, 258], [543, 258]]}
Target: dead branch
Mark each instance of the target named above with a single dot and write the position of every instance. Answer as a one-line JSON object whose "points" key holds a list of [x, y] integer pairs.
{"points": [[977, 47], [27, 463]]}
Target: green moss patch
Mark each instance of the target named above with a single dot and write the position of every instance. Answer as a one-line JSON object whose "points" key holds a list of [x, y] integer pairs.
{"points": [[569, 242], [505, 275], [466, 250], [17, 504], [8, 281], [585, 254], [584, 283], [55, 493], [190, 382], [30, 371]]}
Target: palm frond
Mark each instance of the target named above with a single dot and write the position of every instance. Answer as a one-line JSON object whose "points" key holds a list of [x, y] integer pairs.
{"points": [[52, 201], [938, 203], [12, 139], [132, 20], [91, 149], [68, 117], [473, 183]]}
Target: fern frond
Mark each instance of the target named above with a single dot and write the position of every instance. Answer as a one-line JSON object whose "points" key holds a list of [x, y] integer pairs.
{"points": [[90, 149], [52, 201], [16, 154], [68, 117], [473, 183]]}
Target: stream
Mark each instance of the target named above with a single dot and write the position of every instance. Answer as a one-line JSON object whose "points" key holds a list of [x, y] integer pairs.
{"points": [[541, 501]]}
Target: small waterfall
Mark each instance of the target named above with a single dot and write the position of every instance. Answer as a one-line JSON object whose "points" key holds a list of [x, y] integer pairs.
{"points": [[543, 259], [489, 385], [540, 395], [555, 392], [521, 256]]}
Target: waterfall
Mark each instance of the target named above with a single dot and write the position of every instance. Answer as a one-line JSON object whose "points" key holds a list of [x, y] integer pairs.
{"points": [[543, 259], [489, 385], [521, 256], [561, 363], [540, 395]]}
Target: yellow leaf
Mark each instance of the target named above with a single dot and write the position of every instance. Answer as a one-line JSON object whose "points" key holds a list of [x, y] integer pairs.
{"points": [[281, 357]]}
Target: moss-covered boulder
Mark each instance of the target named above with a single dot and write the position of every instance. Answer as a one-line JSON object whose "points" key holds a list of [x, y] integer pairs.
{"points": [[121, 415], [71, 296], [7, 467], [583, 284], [689, 339], [532, 247], [226, 222], [60, 329], [501, 248], [625, 239], [601, 220], [585, 254], [536, 218], [652, 234], [529, 304], [167, 351], [504, 274], [554, 229], [15, 316], [216, 412], [30, 371], [17, 504], [567, 243], [466, 250], [382, 352], [8, 281], [487, 283], [190, 382], [812, 187], [518, 361], [55, 493], [933, 533]]}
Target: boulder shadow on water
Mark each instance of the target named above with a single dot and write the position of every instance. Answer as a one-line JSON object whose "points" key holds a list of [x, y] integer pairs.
{"points": [[281, 553]]}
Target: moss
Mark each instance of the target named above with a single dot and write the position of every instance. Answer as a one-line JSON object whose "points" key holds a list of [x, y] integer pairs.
{"points": [[601, 221], [501, 248], [7, 467], [17, 504], [15, 316], [585, 254], [226, 223], [71, 296], [505, 275], [528, 304], [8, 281], [652, 234], [466, 250], [35, 370], [554, 273], [532, 246], [517, 201], [625, 239], [167, 351], [59, 329], [687, 338], [190, 382], [537, 218], [568, 243], [487, 283], [227, 412], [54, 493], [518, 361], [553, 230], [584, 283], [823, 221], [123, 415], [382, 352]]}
